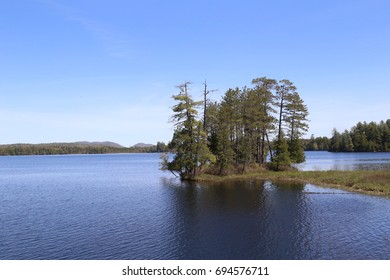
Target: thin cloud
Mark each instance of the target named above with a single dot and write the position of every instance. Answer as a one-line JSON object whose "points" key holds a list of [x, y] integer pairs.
{"points": [[113, 41]]}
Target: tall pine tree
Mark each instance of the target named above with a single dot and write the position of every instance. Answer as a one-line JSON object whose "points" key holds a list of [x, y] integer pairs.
{"points": [[189, 140], [296, 121]]}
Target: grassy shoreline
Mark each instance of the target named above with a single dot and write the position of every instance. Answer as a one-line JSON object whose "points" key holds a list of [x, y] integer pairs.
{"points": [[373, 182]]}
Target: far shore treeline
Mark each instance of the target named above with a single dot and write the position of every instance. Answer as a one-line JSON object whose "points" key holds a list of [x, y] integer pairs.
{"points": [[363, 137], [77, 148]]}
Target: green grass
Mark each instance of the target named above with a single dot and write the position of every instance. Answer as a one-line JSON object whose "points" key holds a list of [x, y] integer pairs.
{"points": [[376, 182]]}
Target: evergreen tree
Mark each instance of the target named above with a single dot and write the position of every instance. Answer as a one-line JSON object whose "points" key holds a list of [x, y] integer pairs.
{"points": [[161, 147], [359, 138], [189, 140], [229, 128], [335, 141], [297, 153], [312, 144], [385, 136], [284, 92], [374, 137], [237, 129], [296, 117], [296, 122], [346, 144], [281, 158], [363, 137], [264, 119]]}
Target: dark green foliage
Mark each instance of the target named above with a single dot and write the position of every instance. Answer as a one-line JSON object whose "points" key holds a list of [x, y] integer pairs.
{"points": [[363, 137], [316, 143], [59, 149], [76, 148], [335, 141], [189, 141], [281, 159], [297, 154], [264, 121], [384, 129], [346, 142], [161, 147], [293, 115], [238, 130], [296, 117]]}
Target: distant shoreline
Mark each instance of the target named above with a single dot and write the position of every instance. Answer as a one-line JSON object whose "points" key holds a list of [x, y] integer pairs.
{"points": [[73, 148]]}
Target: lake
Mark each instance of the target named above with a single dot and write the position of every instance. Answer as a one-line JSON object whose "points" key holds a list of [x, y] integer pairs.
{"points": [[123, 207], [345, 161]]}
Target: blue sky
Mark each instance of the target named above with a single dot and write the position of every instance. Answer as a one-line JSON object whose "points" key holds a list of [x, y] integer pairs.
{"points": [[106, 70]]}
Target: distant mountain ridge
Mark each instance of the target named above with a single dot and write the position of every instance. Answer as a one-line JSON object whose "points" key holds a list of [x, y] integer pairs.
{"points": [[142, 145], [105, 143]]}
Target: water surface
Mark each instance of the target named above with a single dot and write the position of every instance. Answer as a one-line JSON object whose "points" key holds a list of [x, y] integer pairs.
{"points": [[346, 161], [123, 207]]}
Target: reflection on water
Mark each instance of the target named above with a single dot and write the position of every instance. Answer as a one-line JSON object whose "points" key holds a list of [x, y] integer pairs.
{"points": [[123, 207], [261, 220]]}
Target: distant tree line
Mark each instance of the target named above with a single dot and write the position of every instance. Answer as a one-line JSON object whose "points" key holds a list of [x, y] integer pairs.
{"points": [[57, 149], [260, 125], [74, 148], [363, 137], [316, 143]]}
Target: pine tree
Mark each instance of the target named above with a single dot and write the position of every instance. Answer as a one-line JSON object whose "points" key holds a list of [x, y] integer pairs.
{"points": [[235, 132], [265, 121], [346, 142], [385, 136], [284, 91], [296, 117], [296, 120], [281, 158], [335, 141], [359, 138], [226, 131], [297, 154], [189, 140]]}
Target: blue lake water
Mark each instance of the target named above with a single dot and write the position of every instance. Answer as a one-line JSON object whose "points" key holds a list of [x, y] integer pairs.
{"points": [[346, 161], [124, 207]]}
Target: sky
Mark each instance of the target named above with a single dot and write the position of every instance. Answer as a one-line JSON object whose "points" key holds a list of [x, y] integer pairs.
{"points": [[94, 70]]}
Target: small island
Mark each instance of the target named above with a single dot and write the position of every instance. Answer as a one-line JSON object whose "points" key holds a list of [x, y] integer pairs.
{"points": [[256, 133]]}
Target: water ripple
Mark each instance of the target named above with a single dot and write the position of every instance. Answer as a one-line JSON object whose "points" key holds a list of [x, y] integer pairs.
{"points": [[122, 207]]}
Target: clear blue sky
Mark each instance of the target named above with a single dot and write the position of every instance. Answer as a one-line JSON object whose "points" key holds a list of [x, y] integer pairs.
{"points": [[105, 70]]}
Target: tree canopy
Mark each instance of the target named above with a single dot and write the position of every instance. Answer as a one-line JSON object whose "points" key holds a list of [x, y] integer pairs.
{"points": [[189, 140], [362, 137], [249, 126]]}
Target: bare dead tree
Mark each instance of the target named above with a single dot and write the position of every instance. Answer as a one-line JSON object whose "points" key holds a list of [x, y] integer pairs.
{"points": [[205, 93]]}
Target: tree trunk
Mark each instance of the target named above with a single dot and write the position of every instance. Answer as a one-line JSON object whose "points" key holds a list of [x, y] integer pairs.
{"points": [[269, 147]]}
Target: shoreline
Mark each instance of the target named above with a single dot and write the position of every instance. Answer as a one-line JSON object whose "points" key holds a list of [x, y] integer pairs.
{"points": [[370, 182]]}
